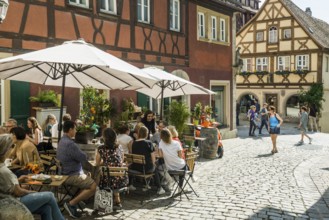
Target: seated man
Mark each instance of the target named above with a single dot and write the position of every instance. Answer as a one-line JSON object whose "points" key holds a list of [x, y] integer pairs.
{"points": [[71, 158]]}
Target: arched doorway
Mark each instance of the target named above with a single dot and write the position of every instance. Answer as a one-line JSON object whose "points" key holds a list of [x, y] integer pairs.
{"points": [[246, 100], [184, 75], [292, 106]]}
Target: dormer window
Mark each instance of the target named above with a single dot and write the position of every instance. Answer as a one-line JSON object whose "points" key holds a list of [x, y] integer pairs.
{"points": [[273, 35]]}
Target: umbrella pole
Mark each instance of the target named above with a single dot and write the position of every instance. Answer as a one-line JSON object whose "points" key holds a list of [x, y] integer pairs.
{"points": [[60, 124], [161, 101]]}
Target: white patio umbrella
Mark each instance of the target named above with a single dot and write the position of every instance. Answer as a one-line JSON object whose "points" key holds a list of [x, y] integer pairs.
{"points": [[169, 85], [74, 64]]}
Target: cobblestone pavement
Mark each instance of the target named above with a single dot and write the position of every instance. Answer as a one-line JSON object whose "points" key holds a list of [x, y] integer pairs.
{"points": [[250, 183]]}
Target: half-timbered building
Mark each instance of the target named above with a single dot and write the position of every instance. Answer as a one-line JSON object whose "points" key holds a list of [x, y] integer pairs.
{"points": [[284, 49]]}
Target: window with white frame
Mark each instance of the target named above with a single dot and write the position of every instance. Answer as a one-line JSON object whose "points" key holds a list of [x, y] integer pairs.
{"points": [[213, 28], [260, 36], [83, 3], [273, 35], [327, 64], [302, 62], [143, 11], [109, 6], [174, 19], [247, 65], [261, 64], [222, 30], [284, 63], [201, 25]]}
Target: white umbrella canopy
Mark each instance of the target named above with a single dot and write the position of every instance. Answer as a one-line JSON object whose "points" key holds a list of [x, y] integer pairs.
{"points": [[74, 64], [169, 85], [82, 63]]}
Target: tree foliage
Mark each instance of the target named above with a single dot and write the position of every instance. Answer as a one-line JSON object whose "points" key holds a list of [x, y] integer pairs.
{"points": [[313, 96], [178, 113]]}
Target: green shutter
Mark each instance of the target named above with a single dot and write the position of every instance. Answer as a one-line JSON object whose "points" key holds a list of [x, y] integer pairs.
{"points": [[19, 99]]}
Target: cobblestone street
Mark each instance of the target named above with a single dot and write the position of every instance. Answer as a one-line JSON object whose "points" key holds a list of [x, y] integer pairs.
{"points": [[251, 183]]}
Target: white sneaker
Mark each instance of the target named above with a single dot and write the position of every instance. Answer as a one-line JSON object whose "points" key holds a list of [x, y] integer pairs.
{"points": [[161, 191], [310, 141], [132, 188]]}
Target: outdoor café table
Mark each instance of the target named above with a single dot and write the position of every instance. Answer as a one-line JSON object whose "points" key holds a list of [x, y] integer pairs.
{"points": [[55, 184]]}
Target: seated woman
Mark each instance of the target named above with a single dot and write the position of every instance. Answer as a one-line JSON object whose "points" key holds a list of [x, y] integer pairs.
{"points": [[111, 154], [24, 151], [48, 124], [171, 151], [149, 121], [36, 131], [144, 147], [134, 134], [42, 203], [174, 134], [124, 139]]}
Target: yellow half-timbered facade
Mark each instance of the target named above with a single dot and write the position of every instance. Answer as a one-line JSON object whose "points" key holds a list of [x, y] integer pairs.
{"points": [[284, 49]]}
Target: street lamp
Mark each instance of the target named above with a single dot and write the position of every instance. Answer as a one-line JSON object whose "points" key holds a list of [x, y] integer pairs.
{"points": [[3, 9]]}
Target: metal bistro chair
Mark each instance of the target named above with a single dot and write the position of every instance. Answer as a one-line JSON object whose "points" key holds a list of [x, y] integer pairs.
{"points": [[186, 174]]}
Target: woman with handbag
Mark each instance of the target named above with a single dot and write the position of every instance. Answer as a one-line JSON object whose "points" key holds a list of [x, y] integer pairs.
{"points": [[275, 121], [111, 154]]}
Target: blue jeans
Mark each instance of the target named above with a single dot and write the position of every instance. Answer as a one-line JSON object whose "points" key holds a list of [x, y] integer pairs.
{"points": [[44, 204], [264, 122]]}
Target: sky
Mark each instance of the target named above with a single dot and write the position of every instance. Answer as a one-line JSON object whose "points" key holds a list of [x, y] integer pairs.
{"points": [[319, 8]]}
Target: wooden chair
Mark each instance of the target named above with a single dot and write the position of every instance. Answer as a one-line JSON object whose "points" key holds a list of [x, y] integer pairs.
{"points": [[112, 172], [139, 159], [49, 164]]}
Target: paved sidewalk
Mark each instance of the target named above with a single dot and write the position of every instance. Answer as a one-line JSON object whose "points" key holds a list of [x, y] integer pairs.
{"points": [[250, 183]]}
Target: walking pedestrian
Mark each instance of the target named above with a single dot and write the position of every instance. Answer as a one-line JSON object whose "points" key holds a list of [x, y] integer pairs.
{"points": [[257, 106], [303, 126], [237, 112], [312, 117], [275, 121], [264, 118], [252, 118]]}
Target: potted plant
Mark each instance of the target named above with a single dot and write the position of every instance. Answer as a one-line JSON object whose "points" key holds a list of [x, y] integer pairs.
{"points": [[178, 113], [208, 111], [197, 113], [95, 112], [45, 98]]}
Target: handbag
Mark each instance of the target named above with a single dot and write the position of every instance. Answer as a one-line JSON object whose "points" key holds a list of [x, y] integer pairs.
{"points": [[103, 200], [104, 195]]}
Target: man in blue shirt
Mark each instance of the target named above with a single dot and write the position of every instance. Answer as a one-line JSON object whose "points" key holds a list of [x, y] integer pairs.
{"points": [[71, 158]]}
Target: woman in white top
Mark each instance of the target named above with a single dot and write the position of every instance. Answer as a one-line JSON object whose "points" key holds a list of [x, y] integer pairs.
{"points": [[124, 139], [36, 130], [171, 151]]}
